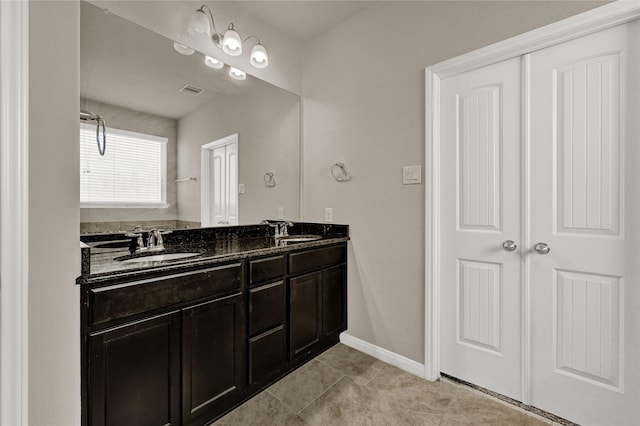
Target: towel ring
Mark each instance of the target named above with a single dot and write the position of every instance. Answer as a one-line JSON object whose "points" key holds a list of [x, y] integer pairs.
{"points": [[269, 180], [339, 172]]}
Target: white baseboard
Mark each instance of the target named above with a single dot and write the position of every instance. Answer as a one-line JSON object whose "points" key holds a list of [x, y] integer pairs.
{"points": [[403, 363]]}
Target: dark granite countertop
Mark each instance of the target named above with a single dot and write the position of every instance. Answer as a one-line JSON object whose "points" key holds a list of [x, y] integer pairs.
{"points": [[102, 254]]}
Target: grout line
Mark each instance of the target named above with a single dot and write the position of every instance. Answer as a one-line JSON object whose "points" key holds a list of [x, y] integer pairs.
{"points": [[319, 396]]}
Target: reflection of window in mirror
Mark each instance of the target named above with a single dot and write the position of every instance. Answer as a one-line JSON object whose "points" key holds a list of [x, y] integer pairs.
{"points": [[132, 173]]}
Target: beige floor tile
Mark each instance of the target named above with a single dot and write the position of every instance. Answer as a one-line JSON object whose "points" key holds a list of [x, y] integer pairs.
{"points": [[472, 408], [357, 365], [345, 403], [261, 410], [303, 386], [412, 393]]}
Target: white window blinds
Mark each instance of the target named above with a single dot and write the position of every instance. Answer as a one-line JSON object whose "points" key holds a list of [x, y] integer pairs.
{"points": [[132, 173]]}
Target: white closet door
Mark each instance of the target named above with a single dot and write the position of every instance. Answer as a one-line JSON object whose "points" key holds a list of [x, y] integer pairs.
{"points": [[585, 192], [480, 205], [218, 186], [232, 183]]}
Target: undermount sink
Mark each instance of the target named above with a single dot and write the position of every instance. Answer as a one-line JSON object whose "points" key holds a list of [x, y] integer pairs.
{"points": [[160, 257], [299, 238]]}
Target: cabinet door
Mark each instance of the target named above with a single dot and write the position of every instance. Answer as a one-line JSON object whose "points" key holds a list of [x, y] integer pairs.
{"points": [[213, 366], [334, 302], [134, 373], [305, 307]]}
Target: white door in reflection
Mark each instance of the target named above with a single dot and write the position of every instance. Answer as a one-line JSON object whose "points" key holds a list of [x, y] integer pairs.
{"points": [[220, 182]]}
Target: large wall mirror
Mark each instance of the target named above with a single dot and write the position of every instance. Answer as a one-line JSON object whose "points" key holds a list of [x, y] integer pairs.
{"points": [[218, 151]]}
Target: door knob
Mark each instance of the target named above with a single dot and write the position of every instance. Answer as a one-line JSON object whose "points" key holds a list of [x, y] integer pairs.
{"points": [[509, 245], [542, 248]]}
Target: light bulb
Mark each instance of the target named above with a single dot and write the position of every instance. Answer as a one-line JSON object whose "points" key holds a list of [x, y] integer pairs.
{"points": [[231, 43], [198, 23], [237, 74], [213, 62], [259, 58], [182, 49]]}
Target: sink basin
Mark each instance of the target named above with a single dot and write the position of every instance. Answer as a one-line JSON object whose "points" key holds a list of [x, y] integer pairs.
{"points": [[299, 238], [160, 257]]}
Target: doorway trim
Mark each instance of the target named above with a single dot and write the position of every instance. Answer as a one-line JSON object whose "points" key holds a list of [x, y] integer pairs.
{"points": [[205, 187], [589, 22], [14, 211]]}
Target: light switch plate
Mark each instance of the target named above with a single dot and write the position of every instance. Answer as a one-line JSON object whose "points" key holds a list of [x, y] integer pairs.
{"points": [[280, 212], [241, 188], [411, 175]]}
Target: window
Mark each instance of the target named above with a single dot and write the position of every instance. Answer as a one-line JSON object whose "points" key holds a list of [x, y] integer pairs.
{"points": [[132, 173]]}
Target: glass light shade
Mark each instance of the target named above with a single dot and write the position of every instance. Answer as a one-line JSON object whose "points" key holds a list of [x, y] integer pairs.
{"points": [[198, 24], [213, 62], [259, 58], [237, 74], [231, 43], [182, 49]]}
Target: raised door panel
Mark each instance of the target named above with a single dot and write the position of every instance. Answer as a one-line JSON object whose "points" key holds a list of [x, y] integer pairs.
{"points": [[478, 116], [587, 120], [305, 310], [334, 302], [134, 374], [213, 370]]}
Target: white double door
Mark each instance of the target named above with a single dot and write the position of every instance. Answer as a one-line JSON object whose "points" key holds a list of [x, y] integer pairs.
{"points": [[220, 182], [540, 227]]}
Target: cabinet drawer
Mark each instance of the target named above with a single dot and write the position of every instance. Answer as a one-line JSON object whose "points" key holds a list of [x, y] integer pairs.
{"points": [[267, 354], [270, 268], [267, 307], [123, 300], [315, 259]]}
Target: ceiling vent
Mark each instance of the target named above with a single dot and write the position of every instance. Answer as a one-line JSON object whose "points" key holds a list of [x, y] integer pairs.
{"points": [[192, 90]]}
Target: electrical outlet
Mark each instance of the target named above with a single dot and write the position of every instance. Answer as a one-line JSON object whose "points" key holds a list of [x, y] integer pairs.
{"points": [[241, 188], [328, 214], [280, 212]]}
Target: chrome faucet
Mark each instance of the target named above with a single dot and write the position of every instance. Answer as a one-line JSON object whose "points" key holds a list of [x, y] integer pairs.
{"points": [[281, 229], [154, 240], [284, 229]]}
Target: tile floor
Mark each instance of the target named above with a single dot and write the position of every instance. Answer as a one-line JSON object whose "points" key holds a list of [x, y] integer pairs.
{"points": [[343, 386]]}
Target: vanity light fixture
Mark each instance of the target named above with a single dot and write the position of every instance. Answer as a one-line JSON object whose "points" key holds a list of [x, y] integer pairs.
{"points": [[201, 23], [237, 74], [182, 49], [212, 62]]}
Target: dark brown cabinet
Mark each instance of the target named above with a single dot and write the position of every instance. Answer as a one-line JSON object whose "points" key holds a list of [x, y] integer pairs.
{"points": [[135, 373], [317, 300], [267, 319], [184, 349], [305, 312], [213, 369], [334, 302]]}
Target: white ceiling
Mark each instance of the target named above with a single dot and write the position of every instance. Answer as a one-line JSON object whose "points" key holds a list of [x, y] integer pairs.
{"points": [[303, 20]]}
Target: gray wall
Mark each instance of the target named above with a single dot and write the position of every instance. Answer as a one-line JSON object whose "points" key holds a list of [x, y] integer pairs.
{"points": [[54, 209], [268, 127], [363, 103], [141, 122]]}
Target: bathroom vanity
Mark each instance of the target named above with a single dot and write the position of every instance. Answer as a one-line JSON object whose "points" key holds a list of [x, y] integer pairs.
{"points": [[184, 341]]}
